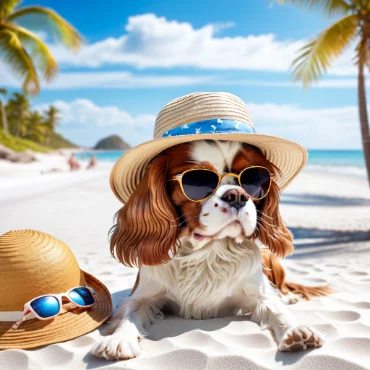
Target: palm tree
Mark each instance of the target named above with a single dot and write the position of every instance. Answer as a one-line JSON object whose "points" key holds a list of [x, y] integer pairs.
{"points": [[26, 53], [317, 55], [52, 120], [35, 129], [4, 119], [18, 112]]}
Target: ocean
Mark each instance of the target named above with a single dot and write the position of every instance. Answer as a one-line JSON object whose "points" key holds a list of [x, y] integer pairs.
{"points": [[347, 162]]}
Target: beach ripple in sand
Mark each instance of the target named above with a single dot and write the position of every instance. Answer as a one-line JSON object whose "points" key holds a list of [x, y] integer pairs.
{"points": [[17, 360], [231, 342], [339, 315]]}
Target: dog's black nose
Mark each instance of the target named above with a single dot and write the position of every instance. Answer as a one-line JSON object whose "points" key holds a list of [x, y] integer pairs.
{"points": [[235, 197]]}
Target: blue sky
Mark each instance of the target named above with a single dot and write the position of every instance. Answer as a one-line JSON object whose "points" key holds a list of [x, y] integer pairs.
{"points": [[141, 54]]}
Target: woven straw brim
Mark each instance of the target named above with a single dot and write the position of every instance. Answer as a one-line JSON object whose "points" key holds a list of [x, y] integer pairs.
{"points": [[130, 168], [67, 326]]}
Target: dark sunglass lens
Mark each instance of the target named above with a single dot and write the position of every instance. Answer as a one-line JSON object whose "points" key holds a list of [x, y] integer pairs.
{"points": [[47, 306], [81, 296], [199, 184], [256, 182]]}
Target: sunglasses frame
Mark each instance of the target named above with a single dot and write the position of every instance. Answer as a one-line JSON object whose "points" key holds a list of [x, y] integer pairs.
{"points": [[220, 177], [31, 313]]}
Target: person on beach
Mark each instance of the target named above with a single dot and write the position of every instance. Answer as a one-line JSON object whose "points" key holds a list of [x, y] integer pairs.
{"points": [[73, 164], [92, 163]]}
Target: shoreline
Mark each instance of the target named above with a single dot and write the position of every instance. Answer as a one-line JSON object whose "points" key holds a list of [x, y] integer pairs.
{"points": [[55, 159]]}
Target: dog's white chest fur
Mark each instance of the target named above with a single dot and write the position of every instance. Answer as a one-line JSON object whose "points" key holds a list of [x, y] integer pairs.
{"points": [[204, 283]]}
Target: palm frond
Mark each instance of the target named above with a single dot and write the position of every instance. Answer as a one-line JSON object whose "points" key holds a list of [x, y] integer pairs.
{"points": [[41, 55], [3, 91], [16, 56], [52, 117], [318, 55], [65, 31], [35, 128], [363, 52], [6, 7], [360, 5], [328, 6]]}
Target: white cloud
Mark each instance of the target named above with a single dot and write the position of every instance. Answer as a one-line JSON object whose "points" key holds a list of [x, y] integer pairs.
{"points": [[128, 80], [122, 80], [87, 114], [313, 128], [102, 79], [335, 83], [155, 42], [152, 41]]}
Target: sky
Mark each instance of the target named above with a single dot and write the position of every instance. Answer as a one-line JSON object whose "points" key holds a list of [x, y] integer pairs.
{"points": [[139, 55]]}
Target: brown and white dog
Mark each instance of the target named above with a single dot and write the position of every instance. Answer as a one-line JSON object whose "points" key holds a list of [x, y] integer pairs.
{"points": [[206, 259]]}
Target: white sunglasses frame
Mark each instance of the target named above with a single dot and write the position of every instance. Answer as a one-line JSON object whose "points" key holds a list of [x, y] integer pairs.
{"points": [[29, 313]]}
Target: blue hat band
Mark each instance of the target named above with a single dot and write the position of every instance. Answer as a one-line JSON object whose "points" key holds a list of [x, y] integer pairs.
{"points": [[211, 126]]}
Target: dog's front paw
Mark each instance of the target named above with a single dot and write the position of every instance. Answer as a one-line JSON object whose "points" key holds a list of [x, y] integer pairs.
{"points": [[117, 348], [300, 338]]}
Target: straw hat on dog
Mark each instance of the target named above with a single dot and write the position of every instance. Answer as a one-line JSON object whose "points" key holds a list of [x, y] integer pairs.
{"points": [[204, 116], [33, 264]]}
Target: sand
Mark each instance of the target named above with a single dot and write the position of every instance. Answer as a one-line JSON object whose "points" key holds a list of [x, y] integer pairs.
{"points": [[329, 215]]}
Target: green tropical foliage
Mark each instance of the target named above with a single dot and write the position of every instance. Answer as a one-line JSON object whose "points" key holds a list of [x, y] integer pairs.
{"points": [[26, 126], [25, 53], [17, 110], [20, 145], [3, 117], [57, 141], [35, 128], [52, 120], [317, 56]]}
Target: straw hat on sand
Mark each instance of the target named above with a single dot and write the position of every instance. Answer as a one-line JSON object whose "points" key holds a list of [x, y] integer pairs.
{"points": [[204, 116], [33, 264]]}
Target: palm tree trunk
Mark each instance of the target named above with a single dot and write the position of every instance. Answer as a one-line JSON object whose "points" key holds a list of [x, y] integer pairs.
{"points": [[4, 118], [364, 120], [19, 125], [18, 129]]}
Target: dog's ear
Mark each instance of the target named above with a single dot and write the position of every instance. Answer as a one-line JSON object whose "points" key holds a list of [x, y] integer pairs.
{"points": [[271, 229], [146, 232]]}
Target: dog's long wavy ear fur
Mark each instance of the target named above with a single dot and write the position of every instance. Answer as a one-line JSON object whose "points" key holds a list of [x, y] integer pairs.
{"points": [[146, 232], [271, 229]]}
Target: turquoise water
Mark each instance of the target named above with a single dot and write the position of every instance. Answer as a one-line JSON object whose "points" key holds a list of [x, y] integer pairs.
{"points": [[336, 158], [345, 158], [111, 155]]}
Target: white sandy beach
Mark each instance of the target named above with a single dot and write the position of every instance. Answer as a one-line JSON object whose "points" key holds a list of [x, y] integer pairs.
{"points": [[328, 214]]}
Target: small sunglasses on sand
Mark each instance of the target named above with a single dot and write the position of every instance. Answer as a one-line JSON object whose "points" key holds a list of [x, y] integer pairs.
{"points": [[199, 184], [47, 306]]}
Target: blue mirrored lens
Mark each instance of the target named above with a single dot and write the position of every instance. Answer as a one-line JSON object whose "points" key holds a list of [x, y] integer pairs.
{"points": [[46, 306], [81, 296]]}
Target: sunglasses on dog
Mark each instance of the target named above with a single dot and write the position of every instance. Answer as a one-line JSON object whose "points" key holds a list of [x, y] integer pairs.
{"points": [[200, 184], [47, 306]]}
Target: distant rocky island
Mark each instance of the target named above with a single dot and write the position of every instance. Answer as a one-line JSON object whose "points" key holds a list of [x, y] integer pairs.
{"points": [[113, 142]]}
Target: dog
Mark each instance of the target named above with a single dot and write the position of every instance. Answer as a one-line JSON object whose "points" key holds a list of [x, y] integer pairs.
{"points": [[204, 259]]}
